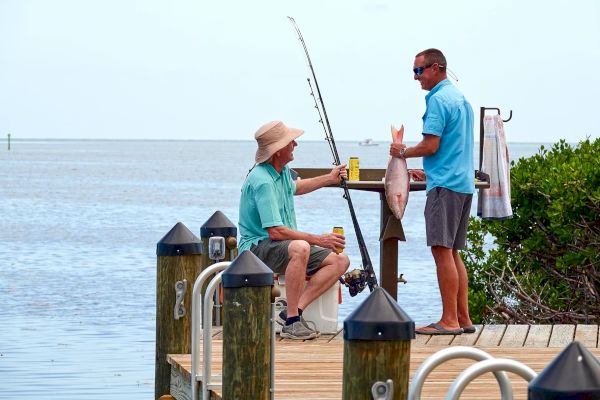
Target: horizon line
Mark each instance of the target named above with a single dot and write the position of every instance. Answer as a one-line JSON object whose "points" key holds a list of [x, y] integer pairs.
{"points": [[228, 140]]}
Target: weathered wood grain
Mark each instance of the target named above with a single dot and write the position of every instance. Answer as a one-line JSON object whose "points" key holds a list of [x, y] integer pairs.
{"points": [[247, 357], [561, 335], [538, 336], [514, 336], [491, 335], [368, 361], [172, 336], [314, 369], [587, 335]]}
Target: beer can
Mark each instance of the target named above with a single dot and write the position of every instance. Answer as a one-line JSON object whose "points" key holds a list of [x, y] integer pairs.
{"points": [[354, 170], [339, 230]]}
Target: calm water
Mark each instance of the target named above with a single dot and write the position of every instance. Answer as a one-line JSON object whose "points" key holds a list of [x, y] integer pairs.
{"points": [[78, 233]]}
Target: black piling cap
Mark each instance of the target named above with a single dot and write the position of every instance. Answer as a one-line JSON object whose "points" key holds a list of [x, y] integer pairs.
{"points": [[379, 317], [179, 241], [573, 374], [247, 270], [218, 225]]}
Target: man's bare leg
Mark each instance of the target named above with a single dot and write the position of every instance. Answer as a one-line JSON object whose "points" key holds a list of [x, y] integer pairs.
{"points": [[463, 291], [295, 274], [333, 266], [448, 281]]}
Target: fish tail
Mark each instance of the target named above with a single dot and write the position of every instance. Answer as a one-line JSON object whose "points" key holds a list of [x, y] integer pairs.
{"points": [[397, 135]]}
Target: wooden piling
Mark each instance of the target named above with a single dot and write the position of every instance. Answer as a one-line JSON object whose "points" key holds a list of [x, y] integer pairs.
{"points": [[247, 284], [218, 225], [377, 347], [179, 256], [391, 233], [9, 142]]}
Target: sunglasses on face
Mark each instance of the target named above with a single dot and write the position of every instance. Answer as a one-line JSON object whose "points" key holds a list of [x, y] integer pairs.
{"points": [[419, 70]]}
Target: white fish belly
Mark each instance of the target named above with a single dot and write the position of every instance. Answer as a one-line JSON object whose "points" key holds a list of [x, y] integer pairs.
{"points": [[397, 186]]}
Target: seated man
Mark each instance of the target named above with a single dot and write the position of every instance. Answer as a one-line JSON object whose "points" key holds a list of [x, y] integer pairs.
{"points": [[267, 223]]}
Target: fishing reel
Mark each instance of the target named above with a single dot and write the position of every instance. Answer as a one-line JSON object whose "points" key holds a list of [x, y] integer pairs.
{"points": [[355, 280]]}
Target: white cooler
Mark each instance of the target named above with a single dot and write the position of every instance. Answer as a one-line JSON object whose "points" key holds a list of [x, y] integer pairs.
{"points": [[323, 311]]}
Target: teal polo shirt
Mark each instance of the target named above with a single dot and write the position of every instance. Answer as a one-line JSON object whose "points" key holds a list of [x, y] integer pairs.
{"points": [[450, 116], [267, 200]]}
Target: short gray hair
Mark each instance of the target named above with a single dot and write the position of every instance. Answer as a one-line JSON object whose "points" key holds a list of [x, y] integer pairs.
{"points": [[433, 56]]}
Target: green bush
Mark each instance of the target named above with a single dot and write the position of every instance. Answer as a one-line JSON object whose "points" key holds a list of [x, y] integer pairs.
{"points": [[543, 264]]}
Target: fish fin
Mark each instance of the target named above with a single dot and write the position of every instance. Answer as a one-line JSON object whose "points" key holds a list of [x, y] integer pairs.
{"points": [[401, 134], [394, 132]]}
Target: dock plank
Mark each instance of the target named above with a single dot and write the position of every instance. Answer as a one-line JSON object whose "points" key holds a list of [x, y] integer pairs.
{"points": [[314, 369], [468, 339], [421, 340], [538, 336], [587, 335], [440, 340], [326, 371], [491, 335], [514, 336], [561, 335]]}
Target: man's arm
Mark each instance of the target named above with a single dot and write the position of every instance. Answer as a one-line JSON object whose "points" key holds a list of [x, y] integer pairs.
{"points": [[426, 147], [304, 186], [331, 241]]}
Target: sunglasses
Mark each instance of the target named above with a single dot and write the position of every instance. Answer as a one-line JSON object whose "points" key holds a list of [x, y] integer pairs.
{"points": [[419, 70]]}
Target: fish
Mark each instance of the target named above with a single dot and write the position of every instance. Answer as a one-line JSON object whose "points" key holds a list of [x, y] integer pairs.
{"points": [[397, 180]]}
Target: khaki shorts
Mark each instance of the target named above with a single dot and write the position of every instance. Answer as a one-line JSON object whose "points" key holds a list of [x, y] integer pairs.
{"points": [[274, 253], [447, 217]]}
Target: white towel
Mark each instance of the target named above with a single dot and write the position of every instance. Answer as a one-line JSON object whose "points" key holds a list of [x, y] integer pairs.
{"points": [[494, 203]]}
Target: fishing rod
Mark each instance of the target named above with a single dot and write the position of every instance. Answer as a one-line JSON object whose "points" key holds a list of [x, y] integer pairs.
{"points": [[355, 279]]}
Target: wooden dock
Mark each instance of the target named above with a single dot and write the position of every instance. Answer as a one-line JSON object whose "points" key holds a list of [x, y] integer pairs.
{"points": [[313, 369]]}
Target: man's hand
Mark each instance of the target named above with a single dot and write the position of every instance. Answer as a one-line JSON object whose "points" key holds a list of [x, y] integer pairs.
{"points": [[337, 174], [333, 178], [395, 149], [417, 175], [333, 241]]}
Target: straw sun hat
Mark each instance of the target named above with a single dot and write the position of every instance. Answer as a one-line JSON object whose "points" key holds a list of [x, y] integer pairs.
{"points": [[272, 137]]}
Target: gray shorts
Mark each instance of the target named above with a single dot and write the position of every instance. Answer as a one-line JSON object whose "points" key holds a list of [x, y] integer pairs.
{"points": [[274, 253], [447, 217]]}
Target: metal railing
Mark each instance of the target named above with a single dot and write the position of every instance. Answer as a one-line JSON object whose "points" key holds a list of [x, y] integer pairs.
{"points": [[486, 363], [493, 365], [197, 317], [204, 314], [414, 390]]}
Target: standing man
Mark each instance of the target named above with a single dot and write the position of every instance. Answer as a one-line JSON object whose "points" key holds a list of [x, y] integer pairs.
{"points": [[447, 151], [267, 222]]}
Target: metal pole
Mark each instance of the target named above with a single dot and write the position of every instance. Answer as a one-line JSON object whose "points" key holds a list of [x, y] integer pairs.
{"points": [[206, 335], [197, 320]]}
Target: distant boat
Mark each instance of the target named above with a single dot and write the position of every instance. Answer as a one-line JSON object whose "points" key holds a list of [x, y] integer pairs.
{"points": [[368, 142]]}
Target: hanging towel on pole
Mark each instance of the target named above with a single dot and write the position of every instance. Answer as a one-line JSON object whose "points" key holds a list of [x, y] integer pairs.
{"points": [[494, 203]]}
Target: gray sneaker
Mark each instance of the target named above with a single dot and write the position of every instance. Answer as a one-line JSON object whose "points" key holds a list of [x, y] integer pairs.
{"points": [[282, 316], [297, 331]]}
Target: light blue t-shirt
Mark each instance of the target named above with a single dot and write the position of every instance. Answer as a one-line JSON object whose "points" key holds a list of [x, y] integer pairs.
{"points": [[267, 200], [450, 116]]}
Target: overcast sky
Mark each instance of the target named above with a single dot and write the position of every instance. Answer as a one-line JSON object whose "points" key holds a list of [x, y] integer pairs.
{"points": [[219, 69]]}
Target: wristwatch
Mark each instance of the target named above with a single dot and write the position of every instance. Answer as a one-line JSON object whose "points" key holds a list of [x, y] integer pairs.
{"points": [[402, 151]]}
